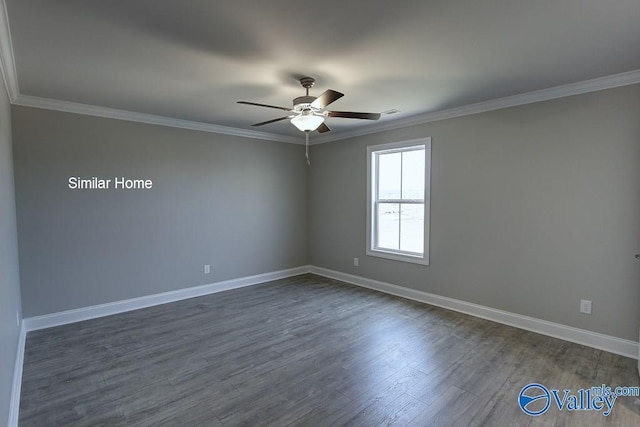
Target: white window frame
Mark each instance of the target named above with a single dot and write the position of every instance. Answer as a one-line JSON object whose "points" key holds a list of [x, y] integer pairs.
{"points": [[372, 195]]}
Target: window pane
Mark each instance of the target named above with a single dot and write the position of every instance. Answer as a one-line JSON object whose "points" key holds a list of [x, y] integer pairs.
{"points": [[388, 222], [413, 174], [389, 176], [412, 228]]}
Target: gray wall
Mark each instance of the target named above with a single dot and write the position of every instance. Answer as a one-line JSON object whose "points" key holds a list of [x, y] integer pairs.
{"points": [[9, 272], [533, 208], [235, 203]]}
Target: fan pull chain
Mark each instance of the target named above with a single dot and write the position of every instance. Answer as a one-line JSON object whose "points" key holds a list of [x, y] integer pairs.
{"points": [[306, 153]]}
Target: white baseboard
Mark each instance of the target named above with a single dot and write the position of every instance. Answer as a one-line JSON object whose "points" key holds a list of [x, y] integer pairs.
{"points": [[568, 333], [92, 312], [608, 343], [86, 313], [14, 405]]}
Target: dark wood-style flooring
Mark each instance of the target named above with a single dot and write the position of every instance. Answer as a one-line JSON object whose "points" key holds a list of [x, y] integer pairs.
{"points": [[305, 351]]}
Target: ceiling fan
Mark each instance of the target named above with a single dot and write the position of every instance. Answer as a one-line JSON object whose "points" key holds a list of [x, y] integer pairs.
{"points": [[308, 112]]}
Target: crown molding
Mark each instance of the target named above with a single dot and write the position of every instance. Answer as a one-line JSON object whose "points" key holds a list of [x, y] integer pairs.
{"points": [[112, 113], [7, 61], [600, 83]]}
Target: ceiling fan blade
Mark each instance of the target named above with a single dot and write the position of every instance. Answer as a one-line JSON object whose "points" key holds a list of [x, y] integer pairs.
{"points": [[352, 115], [326, 98], [264, 105], [323, 128], [271, 121]]}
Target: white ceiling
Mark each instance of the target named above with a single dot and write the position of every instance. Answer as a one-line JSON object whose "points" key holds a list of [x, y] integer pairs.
{"points": [[193, 60]]}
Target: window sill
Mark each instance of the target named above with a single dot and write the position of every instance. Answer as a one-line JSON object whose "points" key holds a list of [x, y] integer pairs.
{"points": [[423, 260]]}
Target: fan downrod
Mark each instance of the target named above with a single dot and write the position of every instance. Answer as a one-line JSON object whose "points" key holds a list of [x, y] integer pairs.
{"points": [[307, 83]]}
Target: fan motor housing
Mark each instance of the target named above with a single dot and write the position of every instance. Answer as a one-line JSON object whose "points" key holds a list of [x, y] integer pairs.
{"points": [[303, 100]]}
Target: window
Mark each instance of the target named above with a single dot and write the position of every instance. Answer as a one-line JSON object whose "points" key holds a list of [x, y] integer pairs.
{"points": [[398, 181]]}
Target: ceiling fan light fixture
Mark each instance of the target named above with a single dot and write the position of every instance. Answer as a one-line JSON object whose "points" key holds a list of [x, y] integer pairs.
{"points": [[309, 112], [307, 122]]}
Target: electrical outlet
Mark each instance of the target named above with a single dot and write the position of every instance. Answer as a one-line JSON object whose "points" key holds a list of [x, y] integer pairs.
{"points": [[585, 306], [207, 269], [356, 262]]}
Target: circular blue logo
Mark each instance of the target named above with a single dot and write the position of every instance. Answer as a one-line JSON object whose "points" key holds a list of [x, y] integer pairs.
{"points": [[534, 399]]}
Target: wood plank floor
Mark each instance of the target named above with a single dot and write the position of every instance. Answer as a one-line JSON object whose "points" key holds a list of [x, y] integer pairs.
{"points": [[305, 351]]}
